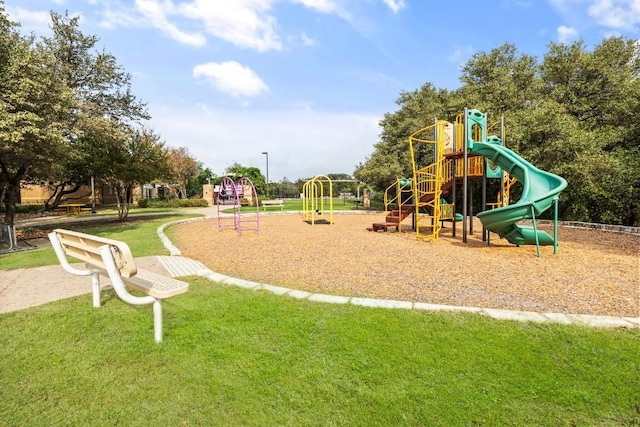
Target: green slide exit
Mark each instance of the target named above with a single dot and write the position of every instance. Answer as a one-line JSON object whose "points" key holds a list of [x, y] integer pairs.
{"points": [[539, 190]]}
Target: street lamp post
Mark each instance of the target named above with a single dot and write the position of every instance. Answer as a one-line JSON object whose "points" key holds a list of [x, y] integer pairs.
{"points": [[93, 195], [266, 153]]}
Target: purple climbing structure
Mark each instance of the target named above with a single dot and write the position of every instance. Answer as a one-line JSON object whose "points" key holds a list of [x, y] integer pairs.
{"points": [[233, 195]]}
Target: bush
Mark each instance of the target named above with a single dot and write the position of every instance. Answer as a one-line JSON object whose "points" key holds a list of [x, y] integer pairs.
{"points": [[23, 209], [172, 203]]}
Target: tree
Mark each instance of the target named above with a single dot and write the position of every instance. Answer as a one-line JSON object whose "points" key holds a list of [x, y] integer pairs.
{"points": [[600, 94], [34, 108], [236, 170], [418, 109], [125, 157], [101, 88], [500, 81], [183, 167], [289, 189], [195, 183]]}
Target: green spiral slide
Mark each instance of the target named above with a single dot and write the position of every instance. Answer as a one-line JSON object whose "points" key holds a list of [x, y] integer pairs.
{"points": [[540, 190]]}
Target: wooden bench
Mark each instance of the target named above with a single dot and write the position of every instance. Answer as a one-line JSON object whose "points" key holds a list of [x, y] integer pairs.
{"points": [[271, 203], [113, 259]]}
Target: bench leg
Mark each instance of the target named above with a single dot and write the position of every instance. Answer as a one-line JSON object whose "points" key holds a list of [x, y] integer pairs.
{"points": [[95, 285], [157, 320]]}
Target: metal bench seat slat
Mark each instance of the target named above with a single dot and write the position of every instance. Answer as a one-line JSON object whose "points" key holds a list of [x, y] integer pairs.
{"points": [[156, 285]]}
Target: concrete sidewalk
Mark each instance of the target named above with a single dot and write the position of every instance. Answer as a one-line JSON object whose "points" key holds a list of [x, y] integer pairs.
{"points": [[30, 287]]}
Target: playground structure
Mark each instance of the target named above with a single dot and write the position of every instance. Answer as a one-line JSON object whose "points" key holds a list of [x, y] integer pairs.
{"points": [[459, 152], [317, 200], [234, 195]]}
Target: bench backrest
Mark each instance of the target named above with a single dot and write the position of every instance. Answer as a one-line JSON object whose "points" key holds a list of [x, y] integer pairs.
{"points": [[85, 247]]}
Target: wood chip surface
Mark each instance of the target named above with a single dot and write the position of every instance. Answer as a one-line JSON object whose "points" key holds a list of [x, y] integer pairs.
{"points": [[594, 272]]}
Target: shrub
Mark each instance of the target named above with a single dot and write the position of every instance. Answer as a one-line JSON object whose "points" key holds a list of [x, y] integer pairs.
{"points": [[26, 209], [172, 203]]}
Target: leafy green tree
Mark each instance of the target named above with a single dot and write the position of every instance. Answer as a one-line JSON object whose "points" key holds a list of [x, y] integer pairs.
{"points": [[101, 88], [128, 157], [600, 93], [195, 183], [289, 189], [500, 81], [183, 166], [418, 109], [237, 171], [34, 108]]}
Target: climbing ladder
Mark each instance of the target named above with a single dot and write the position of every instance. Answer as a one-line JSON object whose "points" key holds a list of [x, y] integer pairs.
{"points": [[232, 194]]}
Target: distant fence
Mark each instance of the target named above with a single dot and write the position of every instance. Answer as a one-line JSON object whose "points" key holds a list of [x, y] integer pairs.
{"points": [[625, 229]]}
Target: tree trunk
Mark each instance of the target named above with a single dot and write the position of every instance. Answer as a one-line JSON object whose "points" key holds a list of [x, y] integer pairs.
{"points": [[59, 192], [11, 192], [124, 194], [11, 198]]}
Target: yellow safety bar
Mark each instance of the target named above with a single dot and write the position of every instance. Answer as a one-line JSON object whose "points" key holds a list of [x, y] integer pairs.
{"points": [[314, 200], [403, 195]]}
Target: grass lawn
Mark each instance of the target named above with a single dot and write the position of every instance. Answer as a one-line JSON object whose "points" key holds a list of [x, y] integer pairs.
{"points": [[139, 232], [236, 357]]}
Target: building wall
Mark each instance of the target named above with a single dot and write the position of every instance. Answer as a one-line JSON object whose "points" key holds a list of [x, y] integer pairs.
{"points": [[37, 194]]}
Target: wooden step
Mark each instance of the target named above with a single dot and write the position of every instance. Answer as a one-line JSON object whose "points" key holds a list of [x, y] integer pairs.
{"points": [[382, 226]]}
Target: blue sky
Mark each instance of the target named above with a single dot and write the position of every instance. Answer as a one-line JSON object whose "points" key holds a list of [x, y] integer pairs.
{"points": [[307, 80]]}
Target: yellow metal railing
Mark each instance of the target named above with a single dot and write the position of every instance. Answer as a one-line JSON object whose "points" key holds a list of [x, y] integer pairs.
{"points": [[403, 193], [403, 196], [447, 210], [475, 167], [428, 181], [508, 183]]}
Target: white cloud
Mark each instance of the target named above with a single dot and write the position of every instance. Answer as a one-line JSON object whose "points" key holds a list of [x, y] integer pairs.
{"points": [[566, 34], [460, 55], [613, 14], [303, 39], [306, 40], [301, 143], [232, 78], [618, 14], [156, 14], [118, 17], [324, 6], [245, 23], [250, 24], [395, 5], [29, 20]]}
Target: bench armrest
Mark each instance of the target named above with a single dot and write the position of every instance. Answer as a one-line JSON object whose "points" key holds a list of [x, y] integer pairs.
{"points": [[62, 258]]}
